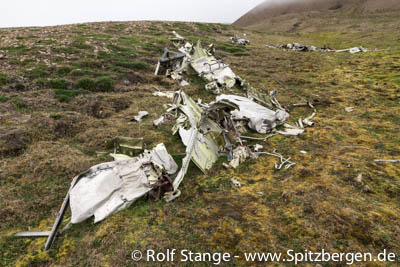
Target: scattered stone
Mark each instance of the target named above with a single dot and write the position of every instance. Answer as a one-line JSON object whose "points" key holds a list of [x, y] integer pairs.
{"points": [[303, 152], [366, 189], [349, 109], [358, 179]]}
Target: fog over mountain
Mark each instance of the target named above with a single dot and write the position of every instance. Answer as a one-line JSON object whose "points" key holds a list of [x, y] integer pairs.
{"points": [[275, 8]]}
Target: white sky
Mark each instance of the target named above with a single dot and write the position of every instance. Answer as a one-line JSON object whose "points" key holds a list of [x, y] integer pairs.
{"points": [[16, 13]]}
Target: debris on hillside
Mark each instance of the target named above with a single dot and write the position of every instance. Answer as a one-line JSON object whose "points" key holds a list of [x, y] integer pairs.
{"points": [[110, 187], [208, 131], [309, 48], [127, 146], [239, 41], [140, 116], [388, 160], [218, 75], [297, 47], [211, 130]]}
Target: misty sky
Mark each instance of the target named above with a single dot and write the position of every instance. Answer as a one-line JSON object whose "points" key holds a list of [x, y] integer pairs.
{"points": [[16, 13]]}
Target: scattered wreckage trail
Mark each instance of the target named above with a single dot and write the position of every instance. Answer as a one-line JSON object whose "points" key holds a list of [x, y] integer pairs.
{"points": [[310, 48], [208, 130]]}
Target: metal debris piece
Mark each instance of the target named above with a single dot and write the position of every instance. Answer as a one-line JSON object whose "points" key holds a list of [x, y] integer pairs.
{"points": [[239, 41], [159, 121], [240, 154], [169, 94], [33, 234], [54, 231], [127, 145], [184, 83], [283, 162], [226, 166], [110, 187], [387, 160], [235, 182], [291, 130], [261, 119], [258, 148], [214, 72], [308, 48], [119, 156], [140, 116], [354, 50]]}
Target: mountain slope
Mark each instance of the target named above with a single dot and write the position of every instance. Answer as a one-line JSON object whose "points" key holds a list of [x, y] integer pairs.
{"points": [[306, 15]]}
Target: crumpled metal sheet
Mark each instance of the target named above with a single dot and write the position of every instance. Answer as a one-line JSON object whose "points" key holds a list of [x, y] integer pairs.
{"points": [[261, 119], [128, 146], [240, 154], [211, 69], [205, 150], [140, 116], [110, 187], [240, 41], [218, 75], [353, 50]]}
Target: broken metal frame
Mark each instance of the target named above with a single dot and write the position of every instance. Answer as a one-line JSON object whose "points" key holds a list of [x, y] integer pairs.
{"points": [[51, 235]]}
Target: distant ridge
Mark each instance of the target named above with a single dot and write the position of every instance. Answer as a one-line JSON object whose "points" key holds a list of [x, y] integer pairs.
{"points": [[272, 11]]}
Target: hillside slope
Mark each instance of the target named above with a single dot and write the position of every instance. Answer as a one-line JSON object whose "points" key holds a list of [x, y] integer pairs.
{"points": [[66, 92], [308, 15]]}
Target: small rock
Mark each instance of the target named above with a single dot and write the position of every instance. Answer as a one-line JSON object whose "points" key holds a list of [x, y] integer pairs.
{"points": [[366, 189], [349, 109], [303, 152], [358, 179], [2, 56]]}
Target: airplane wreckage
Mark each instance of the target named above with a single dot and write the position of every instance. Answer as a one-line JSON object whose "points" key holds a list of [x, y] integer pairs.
{"points": [[310, 48], [239, 41], [208, 131]]}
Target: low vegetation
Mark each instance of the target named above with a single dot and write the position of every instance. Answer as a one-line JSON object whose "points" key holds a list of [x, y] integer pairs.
{"points": [[72, 96]]}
